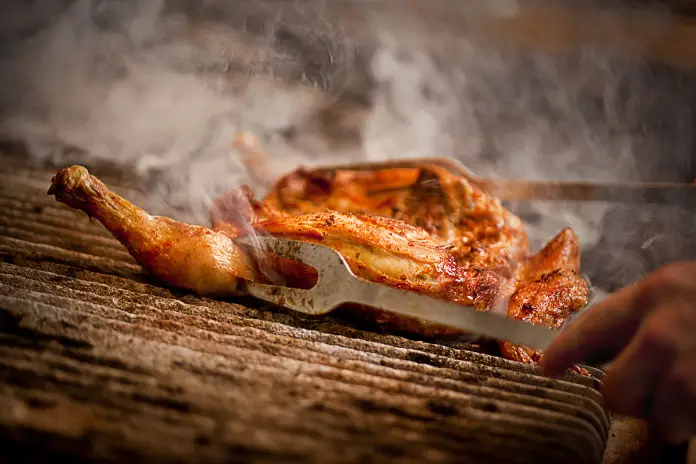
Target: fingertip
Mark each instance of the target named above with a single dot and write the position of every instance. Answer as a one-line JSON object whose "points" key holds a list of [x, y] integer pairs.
{"points": [[565, 351], [576, 343], [553, 367], [560, 354], [606, 328]]}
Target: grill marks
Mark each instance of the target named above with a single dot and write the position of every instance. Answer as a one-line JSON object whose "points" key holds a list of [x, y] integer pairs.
{"points": [[84, 335]]}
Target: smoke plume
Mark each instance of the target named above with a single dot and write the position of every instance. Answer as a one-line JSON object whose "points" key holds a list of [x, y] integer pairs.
{"points": [[164, 87]]}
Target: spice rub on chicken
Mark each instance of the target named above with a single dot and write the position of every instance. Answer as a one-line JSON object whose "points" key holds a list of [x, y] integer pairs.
{"points": [[419, 229]]}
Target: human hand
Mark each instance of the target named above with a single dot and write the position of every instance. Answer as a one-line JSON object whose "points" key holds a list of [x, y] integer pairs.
{"points": [[649, 330]]}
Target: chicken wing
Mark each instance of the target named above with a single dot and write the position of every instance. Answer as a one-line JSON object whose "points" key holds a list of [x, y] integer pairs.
{"points": [[548, 291]]}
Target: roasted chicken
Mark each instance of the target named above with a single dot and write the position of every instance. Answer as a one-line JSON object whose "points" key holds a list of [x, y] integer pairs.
{"points": [[419, 229]]}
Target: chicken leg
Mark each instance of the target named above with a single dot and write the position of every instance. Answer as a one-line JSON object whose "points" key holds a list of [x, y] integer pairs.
{"points": [[178, 254]]}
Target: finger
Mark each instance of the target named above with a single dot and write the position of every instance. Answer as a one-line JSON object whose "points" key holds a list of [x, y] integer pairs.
{"points": [[673, 415], [631, 382], [609, 326], [604, 329]]}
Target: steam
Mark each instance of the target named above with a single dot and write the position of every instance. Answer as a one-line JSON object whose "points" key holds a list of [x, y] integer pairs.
{"points": [[166, 87], [130, 82], [537, 117]]}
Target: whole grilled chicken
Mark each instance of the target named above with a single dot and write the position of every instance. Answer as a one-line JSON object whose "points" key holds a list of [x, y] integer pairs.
{"points": [[419, 229]]}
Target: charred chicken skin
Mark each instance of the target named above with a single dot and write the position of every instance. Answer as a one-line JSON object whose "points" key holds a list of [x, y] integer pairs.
{"points": [[419, 229]]}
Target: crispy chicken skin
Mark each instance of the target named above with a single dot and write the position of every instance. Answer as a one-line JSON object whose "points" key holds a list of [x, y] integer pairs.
{"points": [[419, 229], [548, 291], [180, 255], [377, 248], [480, 232], [487, 242]]}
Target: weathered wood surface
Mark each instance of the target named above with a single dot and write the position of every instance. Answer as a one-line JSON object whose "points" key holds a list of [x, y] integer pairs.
{"points": [[100, 363]]}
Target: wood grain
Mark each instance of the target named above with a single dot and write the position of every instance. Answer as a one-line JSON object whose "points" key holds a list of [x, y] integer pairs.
{"points": [[99, 363]]}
